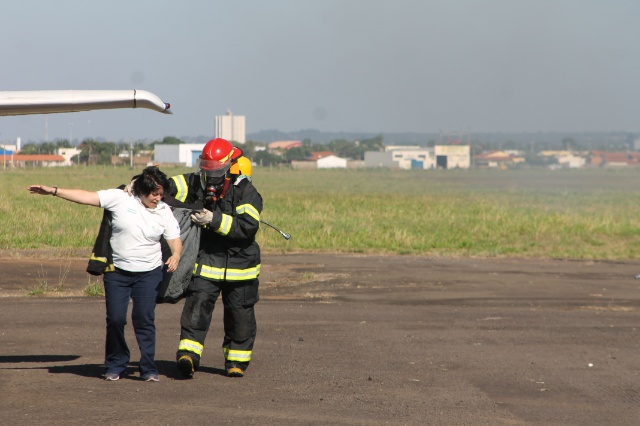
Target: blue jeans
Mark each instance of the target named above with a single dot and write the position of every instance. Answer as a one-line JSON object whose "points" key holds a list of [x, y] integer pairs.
{"points": [[142, 288]]}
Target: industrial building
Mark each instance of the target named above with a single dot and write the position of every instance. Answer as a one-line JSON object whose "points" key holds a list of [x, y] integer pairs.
{"points": [[186, 154], [231, 127], [439, 156]]}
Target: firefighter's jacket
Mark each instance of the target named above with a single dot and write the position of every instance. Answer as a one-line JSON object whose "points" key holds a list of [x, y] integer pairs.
{"points": [[174, 284], [101, 259], [228, 249]]}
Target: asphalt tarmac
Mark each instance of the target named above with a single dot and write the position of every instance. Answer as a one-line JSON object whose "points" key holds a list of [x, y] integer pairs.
{"points": [[345, 340]]}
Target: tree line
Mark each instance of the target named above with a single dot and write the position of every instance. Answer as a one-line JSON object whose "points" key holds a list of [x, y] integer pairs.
{"points": [[351, 150], [97, 152]]}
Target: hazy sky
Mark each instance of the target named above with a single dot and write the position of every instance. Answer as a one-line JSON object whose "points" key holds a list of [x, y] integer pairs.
{"points": [[331, 65]]}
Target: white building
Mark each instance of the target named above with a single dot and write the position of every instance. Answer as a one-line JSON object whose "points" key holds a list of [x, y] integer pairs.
{"points": [[185, 153], [68, 154], [8, 149], [453, 156], [440, 156], [231, 127], [401, 158], [402, 147], [11, 149], [572, 161], [332, 162], [414, 158]]}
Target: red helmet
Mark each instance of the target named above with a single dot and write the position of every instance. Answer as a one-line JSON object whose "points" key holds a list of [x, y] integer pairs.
{"points": [[216, 157]]}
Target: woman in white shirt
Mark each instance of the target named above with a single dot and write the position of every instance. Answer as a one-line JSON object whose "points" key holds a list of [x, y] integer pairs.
{"points": [[138, 222]]}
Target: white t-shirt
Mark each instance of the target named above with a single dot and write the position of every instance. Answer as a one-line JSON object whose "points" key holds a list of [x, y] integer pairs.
{"points": [[136, 230]]}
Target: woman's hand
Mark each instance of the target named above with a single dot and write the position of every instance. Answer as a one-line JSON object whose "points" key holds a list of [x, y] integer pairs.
{"points": [[176, 251], [43, 190], [172, 263]]}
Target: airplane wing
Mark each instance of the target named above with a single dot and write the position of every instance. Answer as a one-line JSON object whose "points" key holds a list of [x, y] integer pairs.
{"points": [[58, 101]]}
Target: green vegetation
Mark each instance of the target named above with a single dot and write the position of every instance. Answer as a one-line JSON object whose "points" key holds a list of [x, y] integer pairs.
{"points": [[575, 214], [44, 287], [96, 152], [94, 287]]}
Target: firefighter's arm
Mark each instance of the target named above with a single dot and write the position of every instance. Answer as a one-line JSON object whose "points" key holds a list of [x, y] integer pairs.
{"points": [[246, 220], [178, 187]]}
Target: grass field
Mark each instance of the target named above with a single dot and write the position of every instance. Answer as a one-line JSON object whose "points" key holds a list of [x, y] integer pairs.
{"points": [[574, 214]]}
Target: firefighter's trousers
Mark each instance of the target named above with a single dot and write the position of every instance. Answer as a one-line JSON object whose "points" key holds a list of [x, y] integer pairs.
{"points": [[238, 298]]}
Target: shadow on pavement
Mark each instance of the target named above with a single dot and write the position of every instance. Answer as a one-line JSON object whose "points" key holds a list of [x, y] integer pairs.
{"points": [[10, 359], [165, 368], [169, 369]]}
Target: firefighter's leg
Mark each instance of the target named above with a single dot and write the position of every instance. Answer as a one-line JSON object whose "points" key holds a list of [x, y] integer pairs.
{"points": [[239, 325], [195, 321]]}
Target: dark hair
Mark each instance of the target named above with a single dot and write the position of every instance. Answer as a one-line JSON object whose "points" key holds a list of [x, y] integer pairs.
{"points": [[147, 181]]}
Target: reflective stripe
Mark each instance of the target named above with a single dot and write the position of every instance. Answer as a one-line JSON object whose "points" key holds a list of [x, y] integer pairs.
{"points": [[99, 259], [191, 346], [232, 274], [236, 355], [226, 158], [108, 268], [250, 210], [225, 225], [181, 184]]}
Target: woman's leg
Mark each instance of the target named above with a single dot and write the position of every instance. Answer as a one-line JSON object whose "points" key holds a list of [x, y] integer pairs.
{"points": [[144, 293], [117, 291]]}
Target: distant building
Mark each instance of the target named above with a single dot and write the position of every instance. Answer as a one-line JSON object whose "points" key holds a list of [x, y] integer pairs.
{"points": [[571, 161], [184, 154], [421, 158], [497, 159], [68, 154], [32, 160], [401, 158], [332, 162], [406, 157], [614, 159], [321, 160], [400, 147], [453, 156], [316, 155], [8, 149], [231, 127]]}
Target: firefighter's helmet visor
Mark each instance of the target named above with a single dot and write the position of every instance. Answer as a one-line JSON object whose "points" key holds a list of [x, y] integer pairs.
{"points": [[212, 168]]}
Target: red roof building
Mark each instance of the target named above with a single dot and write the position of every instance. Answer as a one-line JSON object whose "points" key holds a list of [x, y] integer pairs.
{"points": [[612, 159], [36, 160], [315, 156]]}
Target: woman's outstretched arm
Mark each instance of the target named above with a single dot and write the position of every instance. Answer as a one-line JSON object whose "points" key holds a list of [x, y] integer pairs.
{"points": [[79, 196]]}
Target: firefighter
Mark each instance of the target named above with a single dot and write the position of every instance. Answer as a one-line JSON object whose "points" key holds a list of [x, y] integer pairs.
{"points": [[228, 260]]}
